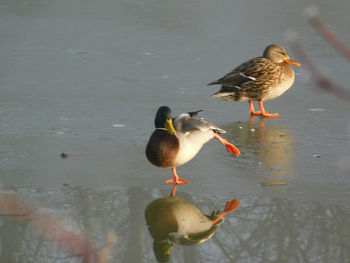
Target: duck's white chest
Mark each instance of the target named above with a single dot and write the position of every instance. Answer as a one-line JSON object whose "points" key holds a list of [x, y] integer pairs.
{"points": [[190, 145]]}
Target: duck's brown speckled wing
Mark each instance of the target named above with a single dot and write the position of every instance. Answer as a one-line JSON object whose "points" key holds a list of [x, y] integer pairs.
{"points": [[250, 80]]}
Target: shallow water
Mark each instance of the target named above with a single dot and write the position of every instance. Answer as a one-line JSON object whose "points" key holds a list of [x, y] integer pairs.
{"points": [[86, 77]]}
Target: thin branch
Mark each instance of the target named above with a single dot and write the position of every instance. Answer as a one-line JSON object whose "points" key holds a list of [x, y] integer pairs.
{"points": [[77, 244], [312, 14], [317, 75]]}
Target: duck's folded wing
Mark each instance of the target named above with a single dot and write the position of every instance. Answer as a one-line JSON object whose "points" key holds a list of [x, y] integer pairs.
{"points": [[184, 123], [249, 71], [233, 79]]}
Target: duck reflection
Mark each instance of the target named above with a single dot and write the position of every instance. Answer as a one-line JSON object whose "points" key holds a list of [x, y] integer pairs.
{"points": [[266, 143], [172, 220]]}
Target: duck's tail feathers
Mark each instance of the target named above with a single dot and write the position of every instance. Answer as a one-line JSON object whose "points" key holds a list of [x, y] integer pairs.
{"points": [[194, 113], [223, 94], [218, 130], [215, 82]]}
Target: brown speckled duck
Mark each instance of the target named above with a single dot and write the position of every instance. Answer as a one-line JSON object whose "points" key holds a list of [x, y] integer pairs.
{"points": [[258, 79], [175, 141]]}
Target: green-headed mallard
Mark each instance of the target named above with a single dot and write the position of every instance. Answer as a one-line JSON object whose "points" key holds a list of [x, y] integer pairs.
{"points": [[175, 141], [258, 79]]}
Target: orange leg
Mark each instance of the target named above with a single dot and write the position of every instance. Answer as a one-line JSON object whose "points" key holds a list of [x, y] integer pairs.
{"points": [[177, 179], [266, 113], [252, 110], [229, 146], [262, 111], [229, 207]]}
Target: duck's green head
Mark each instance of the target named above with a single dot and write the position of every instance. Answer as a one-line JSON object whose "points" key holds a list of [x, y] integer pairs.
{"points": [[164, 120]]}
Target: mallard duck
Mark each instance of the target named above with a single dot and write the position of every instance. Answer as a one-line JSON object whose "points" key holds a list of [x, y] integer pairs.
{"points": [[173, 220], [175, 141], [258, 79]]}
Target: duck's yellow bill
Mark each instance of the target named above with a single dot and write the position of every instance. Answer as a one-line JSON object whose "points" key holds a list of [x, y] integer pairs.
{"points": [[292, 62], [169, 127]]}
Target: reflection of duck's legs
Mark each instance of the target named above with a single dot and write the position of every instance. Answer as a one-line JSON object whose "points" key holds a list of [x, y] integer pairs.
{"points": [[262, 123], [262, 111], [177, 179], [229, 146], [251, 122], [229, 207], [173, 192]]}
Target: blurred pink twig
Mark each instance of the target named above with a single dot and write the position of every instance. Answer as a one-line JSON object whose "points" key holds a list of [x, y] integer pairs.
{"points": [[314, 18], [80, 245], [321, 79]]}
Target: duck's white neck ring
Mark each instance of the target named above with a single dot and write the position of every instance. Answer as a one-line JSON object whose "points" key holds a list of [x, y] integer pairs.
{"points": [[161, 129]]}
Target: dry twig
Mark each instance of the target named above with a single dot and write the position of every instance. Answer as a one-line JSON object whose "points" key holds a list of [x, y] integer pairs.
{"points": [[80, 245]]}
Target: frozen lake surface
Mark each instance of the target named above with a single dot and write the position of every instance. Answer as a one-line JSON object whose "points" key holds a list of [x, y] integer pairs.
{"points": [[86, 78]]}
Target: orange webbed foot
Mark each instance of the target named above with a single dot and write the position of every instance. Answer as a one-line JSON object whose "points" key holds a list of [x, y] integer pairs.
{"points": [[270, 115], [229, 146], [232, 149], [255, 113], [177, 181], [265, 114], [231, 206]]}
